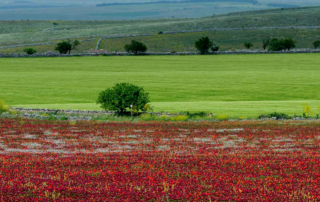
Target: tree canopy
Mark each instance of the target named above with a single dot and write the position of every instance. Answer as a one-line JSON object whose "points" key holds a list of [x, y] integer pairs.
{"points": [[121, 96], [203, 45]]}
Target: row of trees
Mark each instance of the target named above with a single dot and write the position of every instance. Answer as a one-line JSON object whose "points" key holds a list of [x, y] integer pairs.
{"points": [[63, 47], [203, 45], [279, 44], [274, 44]]}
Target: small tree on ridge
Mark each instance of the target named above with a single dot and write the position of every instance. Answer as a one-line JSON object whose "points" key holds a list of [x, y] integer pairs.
{"points": [[265, 43], [135, 47], [316, 44], [248, 45], [66, 46], [29, 51], [203, 45]]}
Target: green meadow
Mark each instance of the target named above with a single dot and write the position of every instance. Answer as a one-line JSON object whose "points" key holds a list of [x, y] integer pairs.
{"points": [[233, 85]]}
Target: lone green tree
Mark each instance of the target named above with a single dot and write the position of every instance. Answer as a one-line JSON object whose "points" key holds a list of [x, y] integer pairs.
{"points": [[121, 96], [316, 44], [66, 46], [248, 45], [135, 47], [203, 45], [30, 51]]}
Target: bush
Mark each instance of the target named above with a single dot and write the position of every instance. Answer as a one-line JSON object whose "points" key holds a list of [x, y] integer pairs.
{"points": [[307, 112], [215, 48], [30, 51], [316, 44], [66, 47], [275, 115], [222, 117], [248, 45], [196, 114], [282, 44], [203, 45], [135, 47], [120, 97], [3, 107], [161, 32], [179, 118]]}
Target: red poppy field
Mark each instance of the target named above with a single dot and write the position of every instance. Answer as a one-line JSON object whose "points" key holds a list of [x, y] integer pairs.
{"points": [[159, 161]]}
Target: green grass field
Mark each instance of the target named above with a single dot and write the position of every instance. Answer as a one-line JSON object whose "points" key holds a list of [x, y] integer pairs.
{"points": [[234, 85]]}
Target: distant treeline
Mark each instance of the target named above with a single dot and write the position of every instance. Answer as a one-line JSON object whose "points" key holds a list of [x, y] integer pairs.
{"points": [[168, 2], [283, 5]]}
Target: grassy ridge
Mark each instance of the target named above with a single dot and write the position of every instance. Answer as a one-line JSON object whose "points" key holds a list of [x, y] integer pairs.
{"points": [[228, 40], [26, 31], [235, 85]]}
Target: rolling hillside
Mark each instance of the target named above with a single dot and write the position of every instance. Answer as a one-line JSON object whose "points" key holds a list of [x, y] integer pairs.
{"points": [[304, 19]]}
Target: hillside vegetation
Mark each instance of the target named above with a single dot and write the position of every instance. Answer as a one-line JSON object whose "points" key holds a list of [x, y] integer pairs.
{"points": [[135, 9], [29, 31], [235, 85]]}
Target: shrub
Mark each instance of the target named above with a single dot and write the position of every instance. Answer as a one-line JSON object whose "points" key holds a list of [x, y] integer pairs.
{"points": [[248, 45], [66, 47], [275, 115], [282, 44], [147, 108], [30, 51], [316, 44], [121, 96], [222, 117], [203, 45], [179, 118], [215, 48], [307, 112], [135, 47], [161, 32], [196, 114], [164, 118], [3, 107]]}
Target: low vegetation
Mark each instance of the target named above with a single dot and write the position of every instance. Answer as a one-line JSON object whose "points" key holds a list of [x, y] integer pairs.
{"points": [[203, 45], [135, 47], [316, 44], [124, 96], [248, 45], [30, 51], [66, 46], [281, 44], [203, 161], [233, 85], [3, 107]]}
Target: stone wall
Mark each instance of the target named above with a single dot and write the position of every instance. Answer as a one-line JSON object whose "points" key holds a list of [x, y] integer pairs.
{"points": [[54, 54]]}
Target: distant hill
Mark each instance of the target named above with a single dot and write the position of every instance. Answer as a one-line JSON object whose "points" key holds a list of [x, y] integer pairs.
{"points": [[254, 2], [135, 9], [266, 23]]}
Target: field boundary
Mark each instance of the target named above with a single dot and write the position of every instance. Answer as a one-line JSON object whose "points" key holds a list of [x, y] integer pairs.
{"points": [[53, 54]]}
